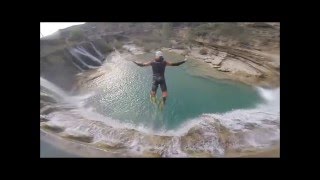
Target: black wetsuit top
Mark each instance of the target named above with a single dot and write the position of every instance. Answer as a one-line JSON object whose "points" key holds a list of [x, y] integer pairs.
{"points": [[158, 69]]}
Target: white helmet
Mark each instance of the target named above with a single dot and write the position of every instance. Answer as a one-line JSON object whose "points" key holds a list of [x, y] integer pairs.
{"points": [[159, 54]]}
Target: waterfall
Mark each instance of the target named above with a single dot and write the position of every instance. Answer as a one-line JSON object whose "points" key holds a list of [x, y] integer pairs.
{"points": [[92, 60], [86, 58], [97, 52], [79, 61], [50, 87]]}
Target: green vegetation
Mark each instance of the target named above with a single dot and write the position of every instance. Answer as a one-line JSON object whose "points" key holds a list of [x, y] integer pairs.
{"points": [[153, 36], [77, 35], [167, 30], [185, 52], [214, 31], [106, 47], [151, 46], [103, 46], [203, 51], [155, 39], [246, 34], [261, 25], [117, 44]]}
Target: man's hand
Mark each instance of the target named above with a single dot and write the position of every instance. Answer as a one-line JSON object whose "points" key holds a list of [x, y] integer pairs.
{"points": [[137, 63], [142, 64]]}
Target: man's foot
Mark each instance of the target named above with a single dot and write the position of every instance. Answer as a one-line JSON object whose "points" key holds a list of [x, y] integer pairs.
{"points": [[153, 99], [162, 102], [161, 105]]}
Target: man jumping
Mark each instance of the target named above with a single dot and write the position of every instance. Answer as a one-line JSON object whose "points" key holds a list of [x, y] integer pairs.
{"points": [[158, 69]]}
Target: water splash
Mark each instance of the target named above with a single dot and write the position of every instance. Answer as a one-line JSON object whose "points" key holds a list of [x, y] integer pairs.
{"points": [[62, 96]]}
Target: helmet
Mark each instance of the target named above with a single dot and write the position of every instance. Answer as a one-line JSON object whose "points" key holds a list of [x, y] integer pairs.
{"points": [[159, 54]]}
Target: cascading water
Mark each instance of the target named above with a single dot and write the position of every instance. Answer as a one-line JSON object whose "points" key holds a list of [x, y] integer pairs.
{"points": [[84, 60], [213, 133], [61, 96], [77, 59], [50, 88], [95, 61], [99, 55]]}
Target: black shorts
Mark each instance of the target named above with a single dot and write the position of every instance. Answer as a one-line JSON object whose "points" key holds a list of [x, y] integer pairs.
{"points": [[156, 80]]}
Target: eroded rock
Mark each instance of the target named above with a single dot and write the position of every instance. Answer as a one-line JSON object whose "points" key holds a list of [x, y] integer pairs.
{"points": [[151, 154], [43, 118], [77, 135], [47, 98], [52, 127], [48, 109], [110, 145]]}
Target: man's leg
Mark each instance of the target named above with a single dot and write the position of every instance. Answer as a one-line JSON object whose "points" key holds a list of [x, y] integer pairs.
{"points": [[164, 91], [153, 91], [164, 96], [153, 97]]}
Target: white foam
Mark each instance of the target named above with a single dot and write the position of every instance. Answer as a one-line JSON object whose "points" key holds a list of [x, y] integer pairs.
{"points": [[237, 119], [264, 119], [78, 100], [269, 94], [234, 120], [52, 87]]}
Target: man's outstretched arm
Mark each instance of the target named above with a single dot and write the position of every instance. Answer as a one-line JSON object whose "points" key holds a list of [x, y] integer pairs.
{"points": [[142, 64]]}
